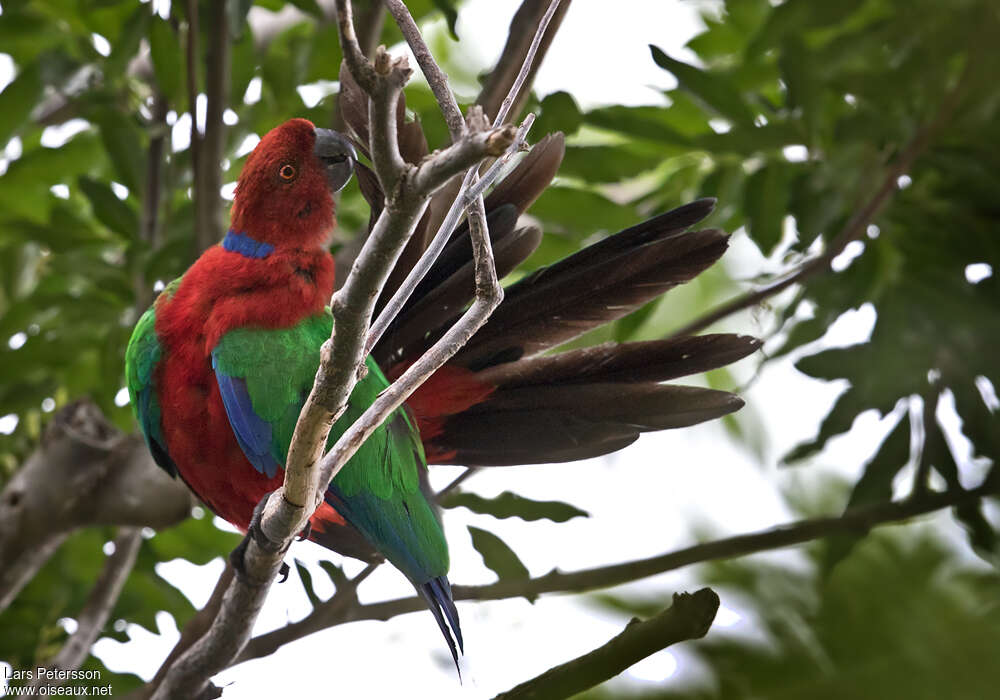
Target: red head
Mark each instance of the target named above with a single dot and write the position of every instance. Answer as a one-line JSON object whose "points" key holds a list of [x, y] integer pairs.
{"points": [[285, 193]]}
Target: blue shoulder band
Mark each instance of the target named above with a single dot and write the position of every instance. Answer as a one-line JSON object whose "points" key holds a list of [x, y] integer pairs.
{"points": [[244, 245]]}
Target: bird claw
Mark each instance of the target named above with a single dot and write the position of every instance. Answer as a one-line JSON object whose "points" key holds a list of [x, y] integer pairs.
{"points": [[236, 557], [306, 531]]}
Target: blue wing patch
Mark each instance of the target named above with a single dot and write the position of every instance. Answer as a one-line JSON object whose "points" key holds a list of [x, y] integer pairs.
{"points": [[252, 432]]}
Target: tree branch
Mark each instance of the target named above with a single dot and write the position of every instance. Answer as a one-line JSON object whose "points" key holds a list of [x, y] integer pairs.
{"points": [[368, 30], [690, 617], [84, 473], [191, 65], [149, 224], [853, 521], [99, 605], [192, 632], [208, 203], [463, 155], [856, 224], [346, 596]]}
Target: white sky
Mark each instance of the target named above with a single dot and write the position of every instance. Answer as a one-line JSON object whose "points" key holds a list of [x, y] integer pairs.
{"points": [[643, 501]]}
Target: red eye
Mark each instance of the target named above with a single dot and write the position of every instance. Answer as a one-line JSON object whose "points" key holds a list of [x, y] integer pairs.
{"points": [[287, 172]]}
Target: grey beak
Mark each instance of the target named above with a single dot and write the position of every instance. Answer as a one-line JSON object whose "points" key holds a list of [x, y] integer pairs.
{"points": [[337, 155]]}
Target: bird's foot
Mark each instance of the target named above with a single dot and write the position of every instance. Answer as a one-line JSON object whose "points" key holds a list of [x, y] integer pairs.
{"points": [[236, 557], [306, 531]]}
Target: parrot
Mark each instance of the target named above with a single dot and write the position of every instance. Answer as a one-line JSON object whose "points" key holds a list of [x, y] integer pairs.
{"points": [[219, 367]]}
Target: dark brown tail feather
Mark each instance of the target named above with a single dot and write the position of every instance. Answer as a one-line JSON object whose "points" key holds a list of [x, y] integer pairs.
{"points": [[537, 425], [643, 361], [571, 405]]}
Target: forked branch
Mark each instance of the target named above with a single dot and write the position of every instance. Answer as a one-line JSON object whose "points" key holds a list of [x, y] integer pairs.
{"points": [[408, 189], [859, 519]]}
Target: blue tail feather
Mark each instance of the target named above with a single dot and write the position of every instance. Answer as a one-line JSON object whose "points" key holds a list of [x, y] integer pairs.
{"points": [[437, 593]]}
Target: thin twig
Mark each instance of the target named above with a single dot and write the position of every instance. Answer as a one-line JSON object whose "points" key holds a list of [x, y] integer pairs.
{"points": [[345, 597], [522, 75], [441, 238], [493, 172], [521, 33], [690, 617], [856, 520], [436, 77], [98, 607], [489, 294], [463, 198], [456, 482], [523, 24]]}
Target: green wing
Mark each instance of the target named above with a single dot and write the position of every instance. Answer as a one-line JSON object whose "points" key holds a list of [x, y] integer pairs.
{"points": [[264, 377], [141, 357]]}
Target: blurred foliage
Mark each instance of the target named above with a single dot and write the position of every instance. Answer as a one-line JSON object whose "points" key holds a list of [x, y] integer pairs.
{"points": [[899, 618], [790, 115], [33, 628]]}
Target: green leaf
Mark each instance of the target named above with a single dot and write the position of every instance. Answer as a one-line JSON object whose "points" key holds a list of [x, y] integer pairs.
{"points": [[129, 38], [310, 7], [196, 539], [120, 136], [874, 486], [627, 327], [497, 556], [114, 213], [307, 583], [980, 424], [17, 100], [871, 621], [796, 16], [714, 90], [838, 420], [765, 201], [165, 49], [751, 140], [559, 112], [238, 10], [447, 7], [651, 123], [982, 536], [580, 213], [804, 84], [510, 505], [336, 574], [612, 163]]}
